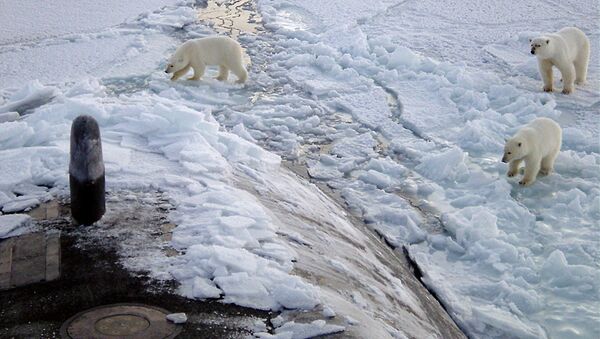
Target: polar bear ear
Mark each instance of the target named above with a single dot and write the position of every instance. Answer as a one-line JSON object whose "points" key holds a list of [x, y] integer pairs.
{"points": [[180, 60], [530, 40]]}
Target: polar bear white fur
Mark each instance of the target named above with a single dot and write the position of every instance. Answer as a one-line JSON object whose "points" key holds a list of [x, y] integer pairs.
{"points": [[568, 50], [538, 144], [215, 50]]}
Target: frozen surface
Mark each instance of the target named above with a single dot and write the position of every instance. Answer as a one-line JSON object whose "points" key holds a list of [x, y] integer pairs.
{"points": [[9, 116], [401, 108], [293, 330], [31, 21], [56, 50], [311, 330], [15, 224], [32, 95], [177, 318], [414, 115], [156, 138]]}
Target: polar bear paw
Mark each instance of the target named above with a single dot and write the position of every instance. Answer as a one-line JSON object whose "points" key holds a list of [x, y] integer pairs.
{"points": [[526, 182]]}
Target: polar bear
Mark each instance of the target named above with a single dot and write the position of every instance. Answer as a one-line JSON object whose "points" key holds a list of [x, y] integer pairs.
{"points": [[568, 50], [214, 50], [538, 144]]}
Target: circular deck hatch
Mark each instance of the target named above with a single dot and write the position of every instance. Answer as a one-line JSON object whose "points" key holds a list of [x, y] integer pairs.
{"points": [[120, 321]]}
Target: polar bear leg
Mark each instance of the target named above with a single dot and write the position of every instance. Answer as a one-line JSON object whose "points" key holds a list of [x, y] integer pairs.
{"points": [[223, 73], [532, 167], [180, 73], [568, 76], [546, 73], [581, 63], [548, 163], [240, 72], [513, 168], [198, 72]]}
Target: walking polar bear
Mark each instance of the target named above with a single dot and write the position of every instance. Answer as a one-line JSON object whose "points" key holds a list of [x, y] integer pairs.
{"points": [[568, 50], [538, 144], [215, 50]]}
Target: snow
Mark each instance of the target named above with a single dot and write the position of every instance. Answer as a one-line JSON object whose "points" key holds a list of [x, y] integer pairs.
{"points": [[15, 224], [204, 288], [315, 328], [244, 278], [400, 108], [293, 330], [9, 116], [446, 134], [30, 96], [31, 21], [20, 204], [109, 46], [177, 318], [328, 312], [197, 165]]}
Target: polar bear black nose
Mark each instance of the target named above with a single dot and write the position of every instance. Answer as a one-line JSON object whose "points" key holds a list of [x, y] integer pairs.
{"points": [[533, 51]]}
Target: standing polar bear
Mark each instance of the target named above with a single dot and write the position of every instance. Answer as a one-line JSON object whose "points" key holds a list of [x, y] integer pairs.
{"points": [[215, 50], [568, 50], [538, 144]]}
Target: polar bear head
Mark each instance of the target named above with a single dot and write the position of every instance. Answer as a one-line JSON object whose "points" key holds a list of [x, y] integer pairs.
{"points": [[541, 47], [176, 62], [515, 149]]}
